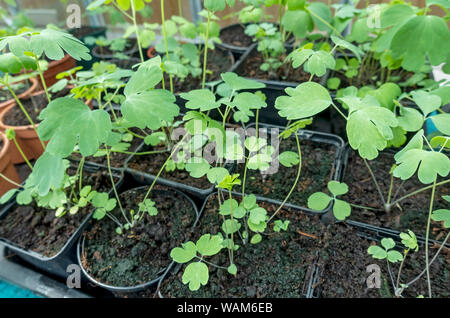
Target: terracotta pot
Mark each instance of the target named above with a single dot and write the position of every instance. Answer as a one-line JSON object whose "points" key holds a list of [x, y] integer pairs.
{"points": [[7, 167], [26, 136], [56, 67], [151, 52], [26, 94]]}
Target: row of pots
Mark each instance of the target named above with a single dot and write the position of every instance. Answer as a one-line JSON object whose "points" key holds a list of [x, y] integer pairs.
{"points": [[68, 255]]}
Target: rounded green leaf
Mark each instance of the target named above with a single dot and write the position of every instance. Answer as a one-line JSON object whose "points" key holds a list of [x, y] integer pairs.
{"points": [[337, 188], [196, 274], [306, 100], [341, 209], [185, 253], [377, 252], [318, 201]]}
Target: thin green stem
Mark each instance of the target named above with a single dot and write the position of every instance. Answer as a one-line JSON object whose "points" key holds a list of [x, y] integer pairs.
{"points": [[205, 55], [163, 21], [374, 180], [136, 31], [41, 75], [326, 23], [420, 190], [296, 179], [427, 237], [163, 166], [24, 112], [400, 269], [390, 189], [80, 180], [22, 154], [114, 187], [339, 111], [364, 207], [232, 226], [432, 260], [10, 181]]}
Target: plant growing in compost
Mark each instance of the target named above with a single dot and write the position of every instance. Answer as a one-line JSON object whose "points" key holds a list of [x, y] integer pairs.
{"points": [[386, 57], [145, 34]]}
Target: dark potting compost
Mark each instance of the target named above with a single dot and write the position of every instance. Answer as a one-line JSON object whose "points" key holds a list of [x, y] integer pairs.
{"points": [[37, 229], [318, 167], [344, 259], [279, 266], [409, 214], [140, 254], [219, 61]]}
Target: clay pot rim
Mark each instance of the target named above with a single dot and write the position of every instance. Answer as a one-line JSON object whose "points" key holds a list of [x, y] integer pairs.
{"points": [[151, 52], [28, 92], [5, 146], [4, 110], [54, 63]]}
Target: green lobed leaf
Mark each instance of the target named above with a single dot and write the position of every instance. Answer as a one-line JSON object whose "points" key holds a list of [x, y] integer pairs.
{"points": [[185, 253], [306, 100], [67, 121], [195, 274], [208, 245]]}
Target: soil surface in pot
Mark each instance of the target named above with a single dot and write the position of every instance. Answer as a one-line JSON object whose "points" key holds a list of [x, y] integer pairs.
{"points": [[33, 105], [279, 266], [412, 213], [142, 253], [235, 35], [344, 260], [219, 61], [18, 88], [375, 80], [250, 67], [317, 169], [37, 229]]}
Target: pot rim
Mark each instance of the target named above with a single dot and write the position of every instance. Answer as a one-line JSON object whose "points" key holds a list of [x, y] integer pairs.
{"points": [[7, 108], [28, 92]]}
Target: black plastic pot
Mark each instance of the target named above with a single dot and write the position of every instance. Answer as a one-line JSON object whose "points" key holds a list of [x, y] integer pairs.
{"points": [[317, 137], [96, 52], [235, 49], [372, 230], [368, 232], [130, 289], [279, 85], [57, 264], [174, 267]]}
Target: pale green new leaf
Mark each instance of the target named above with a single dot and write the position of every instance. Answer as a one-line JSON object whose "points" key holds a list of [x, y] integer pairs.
{"points": [[319, 201], [196, 274], [368, 126], [442, 123], [306, 100], [442, 215], [202, 99], [150, 108], [428, 164], [237, 83], [288, 158], [208, 245], [48, 173], [337, 188], [53, 43], [185, 253], [417, 40]]}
